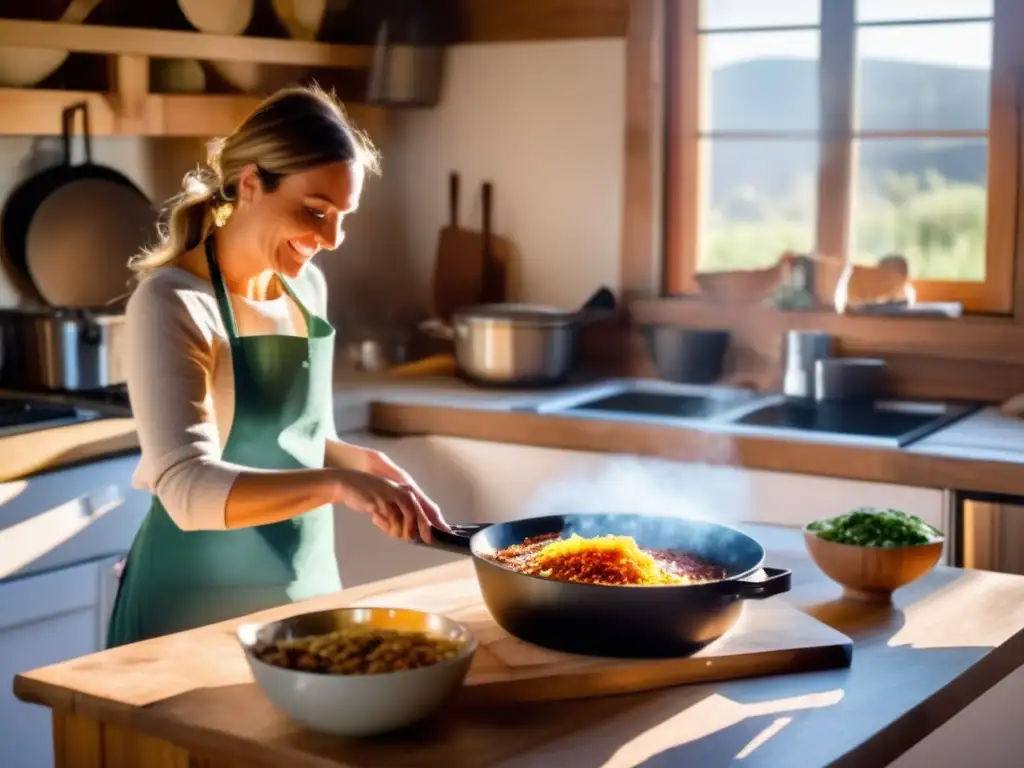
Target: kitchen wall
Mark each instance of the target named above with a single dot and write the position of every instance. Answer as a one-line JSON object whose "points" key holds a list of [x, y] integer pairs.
{"points": [[543, 121]]}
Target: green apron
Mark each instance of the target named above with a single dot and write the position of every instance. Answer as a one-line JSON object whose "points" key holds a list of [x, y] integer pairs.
{"points": [[176, 580]]}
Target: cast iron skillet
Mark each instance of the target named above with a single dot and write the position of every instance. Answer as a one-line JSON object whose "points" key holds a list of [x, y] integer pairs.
{"points": [[614, 620], [26, 199]]}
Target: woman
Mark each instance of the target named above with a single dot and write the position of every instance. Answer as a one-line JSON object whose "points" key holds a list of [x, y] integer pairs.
{"points": [[229, 363]]}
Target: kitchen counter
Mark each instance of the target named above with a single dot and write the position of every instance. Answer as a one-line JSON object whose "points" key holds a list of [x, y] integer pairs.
{"points": [[43, 450], [947, 640], [982, 452]]}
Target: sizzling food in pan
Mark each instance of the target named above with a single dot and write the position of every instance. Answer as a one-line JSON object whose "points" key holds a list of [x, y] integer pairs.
{"points": [[607, 560]]}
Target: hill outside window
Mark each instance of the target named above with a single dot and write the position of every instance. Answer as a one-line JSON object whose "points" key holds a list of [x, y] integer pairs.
{"points": [[855, 129]]}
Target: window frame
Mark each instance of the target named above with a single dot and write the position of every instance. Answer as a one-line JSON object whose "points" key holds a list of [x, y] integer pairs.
{"points": [[684, 164]]}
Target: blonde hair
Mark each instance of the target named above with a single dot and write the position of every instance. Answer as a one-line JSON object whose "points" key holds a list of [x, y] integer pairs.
{"points": [[294, 130]]}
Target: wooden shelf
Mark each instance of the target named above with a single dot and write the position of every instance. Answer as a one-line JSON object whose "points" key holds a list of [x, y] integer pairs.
{"points": [[29, 112], [129, 109], [164, 44]]}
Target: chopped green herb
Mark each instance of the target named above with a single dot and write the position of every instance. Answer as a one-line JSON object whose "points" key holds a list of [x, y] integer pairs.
{"points": [[870, 527]]}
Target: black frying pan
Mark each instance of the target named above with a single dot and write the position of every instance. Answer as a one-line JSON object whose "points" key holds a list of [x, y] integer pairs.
{"points": [[26, 199], [621, 621]]}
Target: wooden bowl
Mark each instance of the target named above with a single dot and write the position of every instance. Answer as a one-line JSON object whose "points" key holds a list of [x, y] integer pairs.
{"points": [[872, 574]]}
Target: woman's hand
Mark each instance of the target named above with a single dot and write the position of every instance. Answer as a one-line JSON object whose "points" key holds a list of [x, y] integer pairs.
{"points": [[355, 457], [379, 464], [397, 508]]}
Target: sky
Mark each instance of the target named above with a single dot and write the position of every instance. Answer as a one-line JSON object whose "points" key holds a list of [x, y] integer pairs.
{"points": [[953, 44]]}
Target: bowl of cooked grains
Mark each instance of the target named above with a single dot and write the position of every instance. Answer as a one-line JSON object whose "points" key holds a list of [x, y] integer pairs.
{"points": [[359, 671]]}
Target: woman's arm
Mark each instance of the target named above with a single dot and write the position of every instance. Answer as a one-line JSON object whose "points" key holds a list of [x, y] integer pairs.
{"points": [[169, 358], [262, 497]]}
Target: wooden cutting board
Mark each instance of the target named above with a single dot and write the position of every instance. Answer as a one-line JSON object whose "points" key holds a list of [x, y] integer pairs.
{"points": [[460, 264], [771, 638]]}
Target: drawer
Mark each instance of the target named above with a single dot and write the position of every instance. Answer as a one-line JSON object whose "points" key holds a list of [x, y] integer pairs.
{"points": [[69, 516]]}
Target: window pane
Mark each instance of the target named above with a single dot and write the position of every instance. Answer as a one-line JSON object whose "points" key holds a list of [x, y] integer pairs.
{"points": [[763, 81], [762, 201], [924, 199], [917, 10], [730, 14], [927, 78]]}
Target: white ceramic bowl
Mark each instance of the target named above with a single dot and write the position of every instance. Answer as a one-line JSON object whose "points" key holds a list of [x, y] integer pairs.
{"points": [[358, 705]]}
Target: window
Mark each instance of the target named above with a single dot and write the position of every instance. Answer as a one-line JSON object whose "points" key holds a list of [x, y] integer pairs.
{"points": [[855, 129]]}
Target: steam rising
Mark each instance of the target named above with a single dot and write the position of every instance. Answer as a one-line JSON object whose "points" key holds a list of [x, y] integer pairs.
{"points": [[648, 486]]}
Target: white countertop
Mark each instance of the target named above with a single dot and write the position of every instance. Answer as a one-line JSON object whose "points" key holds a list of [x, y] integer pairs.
{"points": [[353, 394], [984, 436]]}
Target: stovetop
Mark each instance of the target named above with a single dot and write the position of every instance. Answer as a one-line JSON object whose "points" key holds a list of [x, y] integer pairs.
{"points": [[895, 423], [29, 411]]}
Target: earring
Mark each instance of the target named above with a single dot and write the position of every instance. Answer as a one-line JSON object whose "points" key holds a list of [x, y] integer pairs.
{"points": [[222, 213]]}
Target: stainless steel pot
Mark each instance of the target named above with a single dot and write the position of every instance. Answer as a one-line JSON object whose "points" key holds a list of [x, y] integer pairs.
{"points": [[62, 349], [519, 344]]}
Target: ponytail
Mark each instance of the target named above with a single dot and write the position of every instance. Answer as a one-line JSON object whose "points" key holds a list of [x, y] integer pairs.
{"points": [[187, 221]]}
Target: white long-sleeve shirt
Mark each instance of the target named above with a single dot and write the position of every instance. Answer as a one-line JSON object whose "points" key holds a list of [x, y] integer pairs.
{"points": [[181, 384]]}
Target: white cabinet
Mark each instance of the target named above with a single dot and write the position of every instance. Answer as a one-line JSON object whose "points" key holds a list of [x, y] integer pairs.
{"points": [[61, 533], [44, 619]]}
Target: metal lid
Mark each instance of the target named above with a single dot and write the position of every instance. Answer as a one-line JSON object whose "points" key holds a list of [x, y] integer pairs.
{"points": [[535, 314]]}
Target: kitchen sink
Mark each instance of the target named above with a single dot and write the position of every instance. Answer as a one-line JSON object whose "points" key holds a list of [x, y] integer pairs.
{"points": [[888, 423], [651, 399], [683, 406]]}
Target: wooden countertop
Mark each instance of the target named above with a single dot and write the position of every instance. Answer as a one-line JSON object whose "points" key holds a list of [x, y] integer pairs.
{"points": [[45, 450], [983, 452], [948, 639]]}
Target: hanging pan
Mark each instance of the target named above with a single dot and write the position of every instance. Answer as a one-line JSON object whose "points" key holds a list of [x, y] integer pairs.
{"points": [[71, 229]]}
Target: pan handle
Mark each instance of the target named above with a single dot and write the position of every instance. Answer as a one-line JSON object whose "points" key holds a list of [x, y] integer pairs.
{"points": [[438, 329], [457, 541], [775, 582], [68, 130]]}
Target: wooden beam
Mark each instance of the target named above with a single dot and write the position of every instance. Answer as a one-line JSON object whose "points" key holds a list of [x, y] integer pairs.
{"points": [[164, 44], [684, 158], [28, 112], [643, 172], [512, 20], [129, 75]]}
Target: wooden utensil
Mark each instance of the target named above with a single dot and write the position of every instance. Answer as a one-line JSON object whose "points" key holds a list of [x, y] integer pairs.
{"points": [[22, 67], [303, 19], [459, 268], [223, 17], [745, 285], [497, 253]]}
